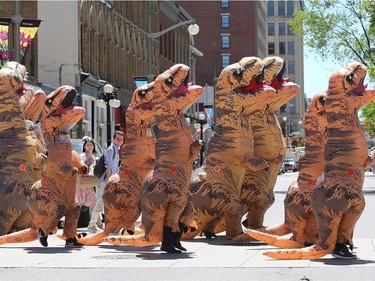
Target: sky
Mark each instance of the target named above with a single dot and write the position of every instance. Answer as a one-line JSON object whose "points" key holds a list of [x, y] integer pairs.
{"points": [[317, 72]]}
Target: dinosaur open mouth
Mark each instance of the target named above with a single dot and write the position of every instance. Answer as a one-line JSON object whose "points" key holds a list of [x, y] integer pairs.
{"points": [[146, 106], [255, 84], [182, 90], [67, 103], [360, 88]]}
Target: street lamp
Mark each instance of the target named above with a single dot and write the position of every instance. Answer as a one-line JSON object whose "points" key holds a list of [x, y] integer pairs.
{"points": [[285, 126], [201, 121], [108, 99], [193, 29]]}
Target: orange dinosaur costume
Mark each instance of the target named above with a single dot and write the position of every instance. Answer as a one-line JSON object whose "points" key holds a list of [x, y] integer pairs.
{"points": [[299, 217], [122, 194], [216, 186], [18, 154], [269, 144], [54, 195], [165, 191], [337, 198]]}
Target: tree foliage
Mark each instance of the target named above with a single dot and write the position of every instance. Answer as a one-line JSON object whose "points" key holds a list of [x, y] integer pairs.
{"points": [[342, 30]]}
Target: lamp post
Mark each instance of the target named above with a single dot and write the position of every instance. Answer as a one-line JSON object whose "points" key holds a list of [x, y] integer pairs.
{"points": [[108, 99], [201, 121], [285, 126], [193, 29]]}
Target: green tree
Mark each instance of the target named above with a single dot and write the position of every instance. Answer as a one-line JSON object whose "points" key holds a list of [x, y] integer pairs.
{"points": [[343, 31]]}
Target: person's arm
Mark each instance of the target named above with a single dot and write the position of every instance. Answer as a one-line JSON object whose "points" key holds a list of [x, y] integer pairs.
{"points": [[83, 157], [108, 161]]}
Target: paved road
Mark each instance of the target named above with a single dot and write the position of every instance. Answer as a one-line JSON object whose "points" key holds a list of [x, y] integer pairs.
{"points": [[216, 259]]}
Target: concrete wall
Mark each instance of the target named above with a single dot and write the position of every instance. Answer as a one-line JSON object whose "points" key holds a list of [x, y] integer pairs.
{"points": [[58, 43]]}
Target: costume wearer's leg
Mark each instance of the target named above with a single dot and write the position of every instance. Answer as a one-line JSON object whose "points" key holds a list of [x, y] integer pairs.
{"points": [[98, 209], [71, 220]]}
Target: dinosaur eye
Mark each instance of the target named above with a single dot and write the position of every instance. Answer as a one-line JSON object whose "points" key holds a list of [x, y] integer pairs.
{"points": [[169, 80], [322, 100], [349, 77], [142, 92], [48, 102], [237, 72]]}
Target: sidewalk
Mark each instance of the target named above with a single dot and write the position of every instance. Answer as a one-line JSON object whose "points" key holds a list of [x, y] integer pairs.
{"points": [[215, 259]]}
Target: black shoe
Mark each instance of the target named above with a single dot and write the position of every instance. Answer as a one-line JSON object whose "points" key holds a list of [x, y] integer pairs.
{"points": [[168, 240], [179, 246], [42, 238], [169, 248], [177, 237], [342, 252], [73, 243]]}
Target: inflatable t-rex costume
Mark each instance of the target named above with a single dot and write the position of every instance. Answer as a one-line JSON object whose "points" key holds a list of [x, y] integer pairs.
{"points": [[299, 217], [216, 186], [18, 155], [122, 194], [165, 191], [54, 195], [337, 198], [269, 144]]}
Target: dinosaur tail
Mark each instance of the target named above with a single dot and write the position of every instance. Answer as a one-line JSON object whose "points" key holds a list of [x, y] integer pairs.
{"points": [[124, 232], [23, 236], [92, 240], [277, 229], [136, 240], [309, 253], [284, 242]]}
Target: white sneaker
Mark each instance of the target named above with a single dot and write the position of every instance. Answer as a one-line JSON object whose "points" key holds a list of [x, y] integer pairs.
{"points": [[92, 228]]}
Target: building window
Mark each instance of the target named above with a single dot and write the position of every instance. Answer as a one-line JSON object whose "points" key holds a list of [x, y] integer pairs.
{"points": [[225, 3], [291, 67], [271, 28], [281, 48], [224, 21], [289, 8], [282, 27], [290, 32], [225, 42], [270, 8], [271, 48], [290, 48], [281, 8], [225, 60]]}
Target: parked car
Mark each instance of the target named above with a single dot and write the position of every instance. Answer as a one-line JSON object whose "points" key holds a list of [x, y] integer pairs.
{"points": [[282, 169], [290, 165], [78, 145]]}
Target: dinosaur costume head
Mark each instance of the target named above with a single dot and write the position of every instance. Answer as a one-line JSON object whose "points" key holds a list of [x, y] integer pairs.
{"points": [[233, 82], [141, 102], [273, 67], [239, 74], [348, 80], [17, 72], [60, 114], [172, 85], [173, 96]]}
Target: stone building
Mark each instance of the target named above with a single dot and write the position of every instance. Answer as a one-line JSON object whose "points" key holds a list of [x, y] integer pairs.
{"points": [[230, 30], [87, 44]]}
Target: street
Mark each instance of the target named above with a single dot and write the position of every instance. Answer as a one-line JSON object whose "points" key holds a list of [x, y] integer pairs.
{"points": [[215, 259]]}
